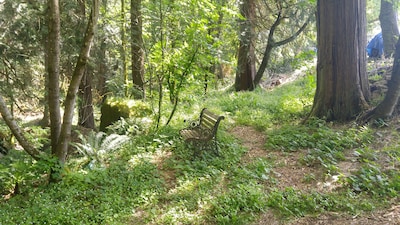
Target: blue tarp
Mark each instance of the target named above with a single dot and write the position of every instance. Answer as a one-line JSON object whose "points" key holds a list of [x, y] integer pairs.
{"points": [[375, 46]]}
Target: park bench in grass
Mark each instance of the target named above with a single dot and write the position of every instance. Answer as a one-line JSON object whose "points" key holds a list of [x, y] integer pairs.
{"points": [[203, 132]]}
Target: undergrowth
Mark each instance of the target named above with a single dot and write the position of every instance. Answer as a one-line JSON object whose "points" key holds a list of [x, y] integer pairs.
{"points": [[155, 178]]}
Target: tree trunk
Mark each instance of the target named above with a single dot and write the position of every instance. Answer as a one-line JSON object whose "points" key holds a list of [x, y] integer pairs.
{"points": [[246, 68], [16, 131], [137, 48], [53, 65], [85, 108], [124, 48], [102, 77], [390, 30], [386, 107], [342, 84], [65, 134], [271, 44], [86, 117]]}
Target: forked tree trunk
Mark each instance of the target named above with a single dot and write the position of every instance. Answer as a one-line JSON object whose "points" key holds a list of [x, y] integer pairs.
{"points": [[246, 68], [342, 84], [60, 134], [271, 44], [65, 134], [390, 30]]}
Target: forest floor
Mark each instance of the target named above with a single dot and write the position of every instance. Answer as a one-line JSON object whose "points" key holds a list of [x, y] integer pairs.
{"points": [[289, 172]]}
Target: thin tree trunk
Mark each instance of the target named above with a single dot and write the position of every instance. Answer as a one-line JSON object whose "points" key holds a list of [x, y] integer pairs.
{"points": [[62, 147], [137, 48], [102, 71], [16, 131], [271, 44], [124, 48], [53, 64]]}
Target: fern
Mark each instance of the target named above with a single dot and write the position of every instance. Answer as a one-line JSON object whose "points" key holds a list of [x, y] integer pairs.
{"points": [[96, 146]]}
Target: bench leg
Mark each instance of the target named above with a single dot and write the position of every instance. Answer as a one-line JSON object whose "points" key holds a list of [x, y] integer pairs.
{"points": [[199, 147]]}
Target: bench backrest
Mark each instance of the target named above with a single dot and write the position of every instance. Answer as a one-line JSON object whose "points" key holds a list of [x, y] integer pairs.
{"points": [[209, 121]]}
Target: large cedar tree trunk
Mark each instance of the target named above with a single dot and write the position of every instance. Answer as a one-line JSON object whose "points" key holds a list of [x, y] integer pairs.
{"points": [[390, 30], [137, 48], [342, 85], [246, 68]]}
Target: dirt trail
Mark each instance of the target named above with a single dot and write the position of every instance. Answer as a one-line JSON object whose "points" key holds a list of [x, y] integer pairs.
{"points": [[290, 173]]}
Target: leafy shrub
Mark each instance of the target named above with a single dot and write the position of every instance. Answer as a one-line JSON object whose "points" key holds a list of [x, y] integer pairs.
{"points": [[17, 170]]}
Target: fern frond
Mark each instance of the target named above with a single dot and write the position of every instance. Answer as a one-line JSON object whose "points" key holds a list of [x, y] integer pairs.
{"points": [[113, 141]]}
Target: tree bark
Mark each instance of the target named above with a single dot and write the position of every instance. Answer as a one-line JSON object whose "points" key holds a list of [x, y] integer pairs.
{"points": [[246, 68], [65, 134], [385, 108], [137, 48], [271, 44], [53, 65], [390, 30], [342, 84], [124, 48], [16, 130], [86, 117]]}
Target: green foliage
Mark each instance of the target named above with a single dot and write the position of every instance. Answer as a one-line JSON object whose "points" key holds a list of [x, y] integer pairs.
{"points": [[97, 147], [317, 134], [130, 126], [115, 108], [370, 179], [325, 144], [238, 205], [286, 103], [294, 203], [18, 171], [87, 197]]}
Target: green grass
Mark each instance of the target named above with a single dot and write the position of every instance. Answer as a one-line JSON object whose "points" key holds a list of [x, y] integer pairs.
{"points": [[156, 179]]}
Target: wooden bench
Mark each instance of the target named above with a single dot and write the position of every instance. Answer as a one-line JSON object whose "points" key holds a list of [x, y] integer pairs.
{"points": [[203, 132]]}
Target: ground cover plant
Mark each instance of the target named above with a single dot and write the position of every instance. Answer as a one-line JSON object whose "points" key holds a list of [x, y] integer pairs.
{"points": [[273, 167]]}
